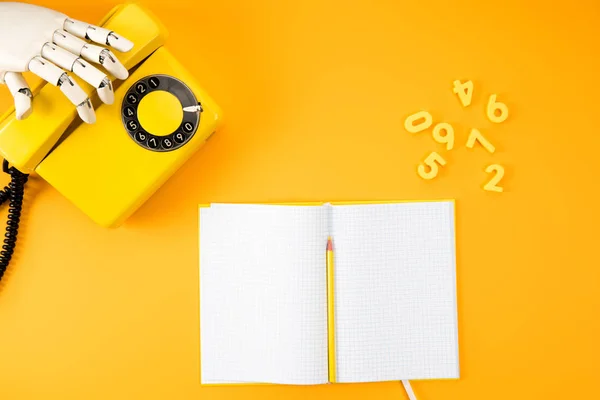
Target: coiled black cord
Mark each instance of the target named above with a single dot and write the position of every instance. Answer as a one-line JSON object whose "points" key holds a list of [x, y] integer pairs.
{"points": [[14, 193]]}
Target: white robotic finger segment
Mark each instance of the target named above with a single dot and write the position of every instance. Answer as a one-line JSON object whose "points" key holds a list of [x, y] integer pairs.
{"points": [[68, 42], [72, 90], [114, 66], [86, 112], [96, 78], [77, 96], [106, 92], [57, 77], [77, 28], [119, 42], [21, 93], [23, 106], [92, 53], [58, 56], [105, 58], [46, 70], [98, 35], [82, 68]]}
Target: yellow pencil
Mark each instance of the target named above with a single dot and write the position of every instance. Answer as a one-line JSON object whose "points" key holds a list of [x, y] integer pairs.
{"points": [[330, 320]]}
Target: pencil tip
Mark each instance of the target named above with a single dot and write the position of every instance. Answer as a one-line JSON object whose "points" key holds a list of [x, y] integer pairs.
{"points": [[329, 244]]}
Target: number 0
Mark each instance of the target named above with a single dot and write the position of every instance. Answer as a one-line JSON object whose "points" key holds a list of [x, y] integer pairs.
{"points": [[409, 123]]}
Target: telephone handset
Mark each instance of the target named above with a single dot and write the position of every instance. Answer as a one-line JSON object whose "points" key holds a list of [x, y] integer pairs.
{"points": [[160, 117]]}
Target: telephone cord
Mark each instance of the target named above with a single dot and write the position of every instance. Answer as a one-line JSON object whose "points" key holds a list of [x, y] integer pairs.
{"points": [[13, 192]]}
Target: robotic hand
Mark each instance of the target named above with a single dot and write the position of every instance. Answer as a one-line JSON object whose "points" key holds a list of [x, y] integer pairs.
{"points": [[47, 43]]}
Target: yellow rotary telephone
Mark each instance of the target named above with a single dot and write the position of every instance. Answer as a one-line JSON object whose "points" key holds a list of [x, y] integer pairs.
{"points": [[160, 117]]}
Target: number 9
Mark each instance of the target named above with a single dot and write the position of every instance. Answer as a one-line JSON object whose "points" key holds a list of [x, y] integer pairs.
{"points": [[433, 161], [448, 138]]}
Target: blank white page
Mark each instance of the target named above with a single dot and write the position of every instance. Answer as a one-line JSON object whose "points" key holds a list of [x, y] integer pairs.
{"points": [[395, 292], [263, 294]]}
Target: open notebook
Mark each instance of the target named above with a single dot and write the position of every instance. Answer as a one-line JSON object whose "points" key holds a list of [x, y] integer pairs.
{"points": [[264, 293]]}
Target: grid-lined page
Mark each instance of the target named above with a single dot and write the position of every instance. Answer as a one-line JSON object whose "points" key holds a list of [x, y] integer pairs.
{"points": [[395, 292], [263, 310]]}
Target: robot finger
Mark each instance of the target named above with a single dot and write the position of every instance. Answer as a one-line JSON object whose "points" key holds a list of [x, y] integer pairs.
{"points": [[82, 68], [97, 34], [91, 53], [57, 77], [20, 91]]}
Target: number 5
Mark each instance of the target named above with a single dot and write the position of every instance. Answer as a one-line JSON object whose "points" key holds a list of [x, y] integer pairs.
{"points": [[433, 161]]}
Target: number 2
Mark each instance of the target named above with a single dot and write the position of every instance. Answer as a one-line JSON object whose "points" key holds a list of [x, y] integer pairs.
{"points": [[464, 92], [141, 88], [491, 186], [433, 161]]}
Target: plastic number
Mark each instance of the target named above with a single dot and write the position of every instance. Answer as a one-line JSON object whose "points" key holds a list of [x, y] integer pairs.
{"points": [[497, 112], [491, 186], [447, 138], [410, 126], [464, 92], [476, 136], [433, 161]]}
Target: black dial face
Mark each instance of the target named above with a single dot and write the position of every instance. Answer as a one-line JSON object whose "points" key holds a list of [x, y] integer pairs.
{"points": [[176, 139]]}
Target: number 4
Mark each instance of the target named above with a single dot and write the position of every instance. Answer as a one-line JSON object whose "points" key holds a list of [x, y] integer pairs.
{"points": [[464, 92]]}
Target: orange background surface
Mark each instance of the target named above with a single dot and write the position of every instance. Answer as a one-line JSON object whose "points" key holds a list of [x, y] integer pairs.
{"points": [[315, 95]]}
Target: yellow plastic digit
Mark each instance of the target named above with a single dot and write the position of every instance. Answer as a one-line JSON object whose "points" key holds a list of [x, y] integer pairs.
{"points": [[433, 161], [410, 126], [464, 92], [492, 185], [447, 138], [497, 112], [476, 136]]}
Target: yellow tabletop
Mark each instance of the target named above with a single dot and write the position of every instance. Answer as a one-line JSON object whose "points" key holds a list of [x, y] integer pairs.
{"points": [[315, 96]]}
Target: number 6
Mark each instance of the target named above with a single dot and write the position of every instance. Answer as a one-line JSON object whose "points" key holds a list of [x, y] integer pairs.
{"points": [[493, 106], [432, 161]]}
